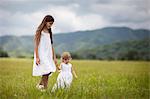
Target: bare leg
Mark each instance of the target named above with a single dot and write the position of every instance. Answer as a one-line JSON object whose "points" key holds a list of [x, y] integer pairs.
{"points": [[44, 80]]}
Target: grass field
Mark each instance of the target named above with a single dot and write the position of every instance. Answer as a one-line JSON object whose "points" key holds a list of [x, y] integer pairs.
{"points": [[96, 80]]}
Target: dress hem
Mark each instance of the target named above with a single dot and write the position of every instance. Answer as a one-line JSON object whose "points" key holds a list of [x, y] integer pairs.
{"points": [[43, 74]]}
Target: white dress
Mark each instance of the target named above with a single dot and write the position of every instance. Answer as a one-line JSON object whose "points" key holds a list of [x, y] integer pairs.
{"points": [[64, 78], [47, 64]]}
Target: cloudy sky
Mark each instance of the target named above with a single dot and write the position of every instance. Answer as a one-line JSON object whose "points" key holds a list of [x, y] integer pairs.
{"points": [[22, 17]]}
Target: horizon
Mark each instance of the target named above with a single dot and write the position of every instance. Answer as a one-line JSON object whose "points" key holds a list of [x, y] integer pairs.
{"points": [[83, 31]]}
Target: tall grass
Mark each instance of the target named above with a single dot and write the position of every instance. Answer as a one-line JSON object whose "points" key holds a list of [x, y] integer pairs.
{"points": [[96, 80]]}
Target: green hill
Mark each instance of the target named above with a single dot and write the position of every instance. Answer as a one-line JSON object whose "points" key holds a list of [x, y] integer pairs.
{"points": [[76, 42], [127, 50], [90, 39]]}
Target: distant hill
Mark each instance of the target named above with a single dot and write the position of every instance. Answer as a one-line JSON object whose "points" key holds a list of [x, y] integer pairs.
{"points": [[126, 50], [89, 39], [17, 46], [75, 41]]}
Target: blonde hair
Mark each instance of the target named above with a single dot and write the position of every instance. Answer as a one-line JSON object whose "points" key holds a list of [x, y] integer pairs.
{"points": [[66, 55]]}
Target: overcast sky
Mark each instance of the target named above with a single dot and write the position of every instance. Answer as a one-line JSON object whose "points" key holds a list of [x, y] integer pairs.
{"points": [[22, 17]]}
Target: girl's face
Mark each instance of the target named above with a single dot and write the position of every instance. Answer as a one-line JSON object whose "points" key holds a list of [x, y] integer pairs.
{"points": [[49, 24]]}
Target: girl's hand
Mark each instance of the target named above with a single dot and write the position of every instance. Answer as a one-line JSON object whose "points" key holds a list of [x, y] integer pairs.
{"points": [[37, 61]]}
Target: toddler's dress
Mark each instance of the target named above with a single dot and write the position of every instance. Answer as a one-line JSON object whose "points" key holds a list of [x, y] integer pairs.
{"points": [[64, 78]]}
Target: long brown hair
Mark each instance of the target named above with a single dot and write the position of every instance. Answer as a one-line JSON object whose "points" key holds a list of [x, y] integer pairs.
{"points": [[37, 37]]}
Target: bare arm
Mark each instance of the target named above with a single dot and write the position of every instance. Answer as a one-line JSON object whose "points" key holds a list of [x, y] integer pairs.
{"points": [[74, 73], [54, 55], [36, 54], [36, 51]]}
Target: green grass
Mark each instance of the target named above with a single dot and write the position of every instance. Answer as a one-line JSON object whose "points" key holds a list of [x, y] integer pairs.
{"points": [[96, 80]]}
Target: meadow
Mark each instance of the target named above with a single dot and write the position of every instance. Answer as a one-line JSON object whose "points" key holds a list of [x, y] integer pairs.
{"points": [[96, 80]]}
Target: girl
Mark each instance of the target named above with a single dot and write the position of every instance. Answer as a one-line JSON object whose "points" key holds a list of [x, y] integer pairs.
{"points": [[65, 77], [44, 56]]}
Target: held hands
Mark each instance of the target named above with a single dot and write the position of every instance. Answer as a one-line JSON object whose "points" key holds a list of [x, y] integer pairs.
{"points": [[57, 66]]}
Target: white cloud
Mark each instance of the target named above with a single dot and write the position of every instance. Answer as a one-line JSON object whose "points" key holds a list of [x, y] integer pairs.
{"points": [[66, 20], [18, 18]]}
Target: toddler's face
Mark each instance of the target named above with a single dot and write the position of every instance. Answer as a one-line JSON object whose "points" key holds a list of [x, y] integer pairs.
{"points": [[66, 60], [49, 24]]}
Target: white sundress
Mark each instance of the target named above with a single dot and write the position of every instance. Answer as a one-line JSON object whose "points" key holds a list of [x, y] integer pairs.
{"points": [[64, 78], [47, 64]]}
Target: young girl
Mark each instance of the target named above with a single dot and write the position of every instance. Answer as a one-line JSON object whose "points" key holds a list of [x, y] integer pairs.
{"points": [[44, 56], [65, 77]]}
